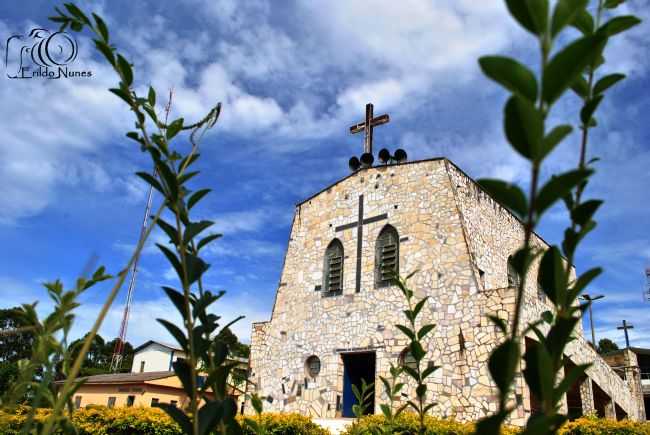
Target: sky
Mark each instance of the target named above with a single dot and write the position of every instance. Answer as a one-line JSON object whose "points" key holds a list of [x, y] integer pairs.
{"points": [[292, 77]]}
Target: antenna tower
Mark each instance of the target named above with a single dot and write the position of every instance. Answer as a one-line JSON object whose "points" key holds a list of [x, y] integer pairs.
{"points": [[118, 351], [646, 291]]}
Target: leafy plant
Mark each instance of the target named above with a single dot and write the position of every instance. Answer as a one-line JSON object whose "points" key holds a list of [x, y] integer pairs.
{"points": [[417, 373], [392, 387], [199, 339], [525, 123], [256, 425], [363, 396]]}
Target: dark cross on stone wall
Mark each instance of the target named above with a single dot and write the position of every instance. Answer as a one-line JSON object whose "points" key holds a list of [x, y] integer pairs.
{"points": [[359, 226], [367, 126], [625, 327]]}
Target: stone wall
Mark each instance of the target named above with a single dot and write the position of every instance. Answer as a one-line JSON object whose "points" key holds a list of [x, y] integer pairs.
{"points": [[453, 234]]}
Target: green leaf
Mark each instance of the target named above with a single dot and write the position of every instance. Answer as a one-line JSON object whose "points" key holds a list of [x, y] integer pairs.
{"points": [[585, 211], [507, 194], [503, 363], [613, 4], [429, 370], [125, 67], [257, 403], [559, 186], [151, 96], [564, 68], [101, 26], [204, 241], [425, 330], [209, 416], [589, 108], [531, 14], [74, 10], [174, 128], [170, 230], [151, 180], [418, 307], [195, 268], [499, 322], [607, 82], [564, 13], [417, 351], [176, 332], [421, 390], [524, 127], [410, 334], [196, 197], [195, 228], [580, 87], [169, 178], [569, 380], [122, 94], [182, 369], [511, 74], [619, 24], [584, 22], [583, 281], [173, 259], [551, 274], [178, 416], [554, 137], [177, 299], [491, 425]]}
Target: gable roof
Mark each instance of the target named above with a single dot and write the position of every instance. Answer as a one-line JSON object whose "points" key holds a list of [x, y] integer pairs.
{"points": [[125, 378], [148, 343]]}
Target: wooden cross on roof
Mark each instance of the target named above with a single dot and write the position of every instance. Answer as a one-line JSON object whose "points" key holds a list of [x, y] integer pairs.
{"points": [[367, 126], [625, 327]]}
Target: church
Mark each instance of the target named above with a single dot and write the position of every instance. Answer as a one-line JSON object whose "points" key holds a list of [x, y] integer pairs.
{"points": [[335, 310]]}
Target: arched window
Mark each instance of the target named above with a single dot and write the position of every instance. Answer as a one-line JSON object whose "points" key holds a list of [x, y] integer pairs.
{"points": [[312, 366], [386, 256], [406, 359], [333, 268], [541, 295], [513, 275]]}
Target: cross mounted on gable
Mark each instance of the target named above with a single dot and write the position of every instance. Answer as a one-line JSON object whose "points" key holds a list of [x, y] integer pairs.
{"points": [[367, 126], [625, 327]]}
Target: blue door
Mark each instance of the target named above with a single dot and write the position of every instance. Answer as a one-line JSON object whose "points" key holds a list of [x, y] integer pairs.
{"points": [[357, 366]]}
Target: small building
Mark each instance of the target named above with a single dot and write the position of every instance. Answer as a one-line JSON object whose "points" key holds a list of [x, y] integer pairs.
{"points": [[151, 380], [154, 356], [632, 364]]}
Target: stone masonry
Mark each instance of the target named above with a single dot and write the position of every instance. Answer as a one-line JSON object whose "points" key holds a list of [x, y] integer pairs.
{"points": [[458, 239]]}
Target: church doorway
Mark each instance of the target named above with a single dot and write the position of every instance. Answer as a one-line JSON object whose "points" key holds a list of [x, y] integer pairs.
{"points": [[357, 366]]}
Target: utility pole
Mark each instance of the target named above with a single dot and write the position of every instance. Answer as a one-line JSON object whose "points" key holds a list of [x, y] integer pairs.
{"points": [[590, 300], [625, 327]]}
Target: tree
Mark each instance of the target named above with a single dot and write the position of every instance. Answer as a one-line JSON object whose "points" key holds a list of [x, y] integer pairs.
{"points": [[14, 346], [237, 348], [605, 345], [98, 359]]}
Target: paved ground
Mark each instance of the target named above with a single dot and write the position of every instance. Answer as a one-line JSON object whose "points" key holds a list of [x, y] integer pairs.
{"points": [[334, 425]]}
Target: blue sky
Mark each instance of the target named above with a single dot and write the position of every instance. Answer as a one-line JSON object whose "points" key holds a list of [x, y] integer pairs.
{"points": [[292, 77]]}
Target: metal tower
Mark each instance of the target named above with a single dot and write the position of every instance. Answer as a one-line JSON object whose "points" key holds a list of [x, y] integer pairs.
{"points": [[646, 292], [118, 351]]}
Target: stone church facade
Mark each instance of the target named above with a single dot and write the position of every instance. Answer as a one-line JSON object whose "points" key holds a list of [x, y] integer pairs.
{"points": [[333, 317]]}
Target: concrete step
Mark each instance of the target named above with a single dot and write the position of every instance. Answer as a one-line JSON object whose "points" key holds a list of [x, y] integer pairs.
{"points": [[334, 425]]}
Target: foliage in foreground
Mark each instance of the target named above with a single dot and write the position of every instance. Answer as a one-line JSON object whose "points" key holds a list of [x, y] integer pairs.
{"points": [[409, 424], [100, 420]]}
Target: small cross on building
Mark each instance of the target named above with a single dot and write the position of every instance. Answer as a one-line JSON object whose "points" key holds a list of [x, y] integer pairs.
{"points": [[625, 327], [367, 126]]}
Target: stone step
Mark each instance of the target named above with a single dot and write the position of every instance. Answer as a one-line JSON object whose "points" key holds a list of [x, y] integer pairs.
{"points": [[334, 425]]}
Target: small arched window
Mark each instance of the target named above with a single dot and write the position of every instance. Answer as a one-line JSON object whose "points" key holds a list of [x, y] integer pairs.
{"points": [[333, 268], [541, 294], [386, 256], [513, 275], [312, 366]]}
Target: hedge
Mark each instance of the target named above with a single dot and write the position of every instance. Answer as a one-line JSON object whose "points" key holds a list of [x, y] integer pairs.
{"points": [[100, 420], [407, 424]]}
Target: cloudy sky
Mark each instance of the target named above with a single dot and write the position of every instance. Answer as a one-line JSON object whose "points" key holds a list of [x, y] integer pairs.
{"points": [[292, 77]]}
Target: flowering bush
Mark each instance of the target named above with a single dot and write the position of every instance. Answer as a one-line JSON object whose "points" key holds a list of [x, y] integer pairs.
{"points": [[100, 420], [284, 424], [601, 426]]}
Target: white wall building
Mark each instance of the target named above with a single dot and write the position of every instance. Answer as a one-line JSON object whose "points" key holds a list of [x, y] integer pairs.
{"points": [[154, 356]]}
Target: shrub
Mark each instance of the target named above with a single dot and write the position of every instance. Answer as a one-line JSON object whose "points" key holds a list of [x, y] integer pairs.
{"points": [[100, 420], [284, 424], [601, 426]]}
